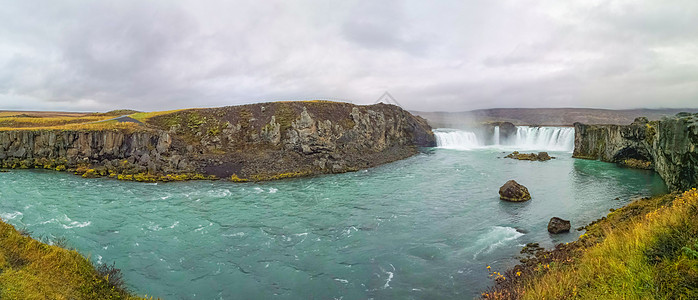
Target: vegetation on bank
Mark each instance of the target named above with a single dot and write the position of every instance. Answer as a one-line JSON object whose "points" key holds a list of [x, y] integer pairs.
{"points": [[25, 121], [30, 269], [99, 126], [254, 142], [65, 121], [121, 172], [645, 250], [75, 121]]}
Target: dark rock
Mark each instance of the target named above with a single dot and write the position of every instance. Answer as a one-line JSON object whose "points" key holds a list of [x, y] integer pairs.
{"points": [[531, 249], [668, 146], [506, 129], [640, 121], [557, 225], [514, 192], [541, 156], [636, 163]]}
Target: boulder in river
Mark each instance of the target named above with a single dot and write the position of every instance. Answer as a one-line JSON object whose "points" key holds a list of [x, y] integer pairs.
{"points": [[557, 225], [541, 156], [514, 192]]}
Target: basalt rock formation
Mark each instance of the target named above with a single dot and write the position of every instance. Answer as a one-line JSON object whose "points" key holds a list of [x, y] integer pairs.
{"points": [[667, 146], [250, 142], [557, 225], [506, 129], [514, 192]]}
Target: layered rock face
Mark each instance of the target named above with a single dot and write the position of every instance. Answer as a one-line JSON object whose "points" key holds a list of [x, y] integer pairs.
{"points": [[250, 142], [667, 146], [115, 152]]}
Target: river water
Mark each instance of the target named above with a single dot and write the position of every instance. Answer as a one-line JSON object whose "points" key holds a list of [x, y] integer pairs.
{"points": [[422, 228]]}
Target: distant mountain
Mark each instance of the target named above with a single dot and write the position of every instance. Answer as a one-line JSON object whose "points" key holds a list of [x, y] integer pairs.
{"points": [[544, 116]]}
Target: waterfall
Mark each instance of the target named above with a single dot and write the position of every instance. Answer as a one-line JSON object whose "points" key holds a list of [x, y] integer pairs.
{"points": [[526, 138], [544, 138], [496, 135], [456, 139]]}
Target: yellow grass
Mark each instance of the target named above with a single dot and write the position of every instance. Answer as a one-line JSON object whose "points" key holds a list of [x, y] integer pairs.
{"points": [[30, 269], [30, 122], [106, 125], [650, 260], [16, 120], [144, 116], [41, 114]]}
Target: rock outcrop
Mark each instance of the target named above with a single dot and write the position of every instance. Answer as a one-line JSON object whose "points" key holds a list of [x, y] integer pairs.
{"points": [[514, 192], [250, 142], [667, 146], [506, 129], [541, 156], [557, 225]]}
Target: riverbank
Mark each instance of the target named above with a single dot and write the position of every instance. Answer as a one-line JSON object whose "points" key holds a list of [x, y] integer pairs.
{"points": [[30, 269], [255, 142], [646, 249]]}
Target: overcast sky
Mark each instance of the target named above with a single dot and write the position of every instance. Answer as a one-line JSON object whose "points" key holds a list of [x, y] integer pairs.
{"points": [[431, 55]]}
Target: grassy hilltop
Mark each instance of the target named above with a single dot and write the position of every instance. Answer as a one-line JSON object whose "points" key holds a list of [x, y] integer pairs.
{"points": [[33, 120], [254, 142]]}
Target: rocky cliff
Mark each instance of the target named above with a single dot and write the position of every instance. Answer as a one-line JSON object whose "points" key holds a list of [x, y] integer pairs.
{"points": [[251, 142], [667, 146]]}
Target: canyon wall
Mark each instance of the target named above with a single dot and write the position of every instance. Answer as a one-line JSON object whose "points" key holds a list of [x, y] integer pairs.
{"points": [[667, 146], [250, 142]]}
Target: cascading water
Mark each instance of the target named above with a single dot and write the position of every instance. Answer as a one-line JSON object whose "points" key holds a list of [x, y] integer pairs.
{"points": [[544, 138], [456, 139], [496, 135], [526, 138]]}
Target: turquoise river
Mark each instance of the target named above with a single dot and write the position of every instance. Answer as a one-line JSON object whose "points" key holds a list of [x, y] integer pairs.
{"points": [[422, 228]]}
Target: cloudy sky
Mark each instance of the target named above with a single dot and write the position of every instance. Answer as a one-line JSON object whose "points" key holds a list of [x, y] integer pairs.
{"points": [[431, 55]]}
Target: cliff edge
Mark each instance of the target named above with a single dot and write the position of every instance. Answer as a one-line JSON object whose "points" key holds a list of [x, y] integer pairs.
{"points": [[250, 142], [667, 146]]}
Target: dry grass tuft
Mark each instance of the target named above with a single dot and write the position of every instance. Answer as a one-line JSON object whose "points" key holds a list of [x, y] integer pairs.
{"points": [[649, 250], [30, 269]]}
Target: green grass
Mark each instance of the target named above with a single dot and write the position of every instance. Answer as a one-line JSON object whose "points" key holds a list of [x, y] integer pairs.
{"points": [[144, 116], [650, 256], [30, 269]]}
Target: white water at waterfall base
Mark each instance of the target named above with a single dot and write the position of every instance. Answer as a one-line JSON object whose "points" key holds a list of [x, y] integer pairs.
{"points": [[526, 138]]}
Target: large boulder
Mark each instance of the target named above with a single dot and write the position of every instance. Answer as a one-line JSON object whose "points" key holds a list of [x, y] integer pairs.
{"points": [[514, 192], [557, 225]]}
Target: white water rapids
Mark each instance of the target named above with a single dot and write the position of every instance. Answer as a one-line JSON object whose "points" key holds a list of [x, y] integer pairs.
{"points": [[525, 138]]}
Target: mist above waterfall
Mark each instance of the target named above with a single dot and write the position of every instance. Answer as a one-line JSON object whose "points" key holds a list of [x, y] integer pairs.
{"points": [[526, 138]]}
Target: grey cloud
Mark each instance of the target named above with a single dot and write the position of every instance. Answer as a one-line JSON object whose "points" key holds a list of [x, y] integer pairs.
{"points": [[449, 55]]}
